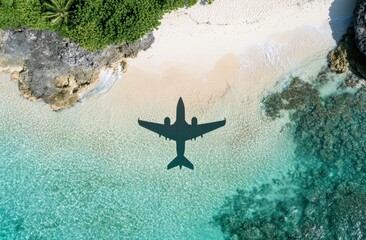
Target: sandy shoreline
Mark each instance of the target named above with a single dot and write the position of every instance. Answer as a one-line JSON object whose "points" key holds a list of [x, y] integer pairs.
{"points": [[200, 53], [237, 74], [94, 160], [202, 34]]}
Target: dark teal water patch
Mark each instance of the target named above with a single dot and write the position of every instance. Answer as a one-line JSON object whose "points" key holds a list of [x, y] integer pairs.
{"points": [[324, 198]]}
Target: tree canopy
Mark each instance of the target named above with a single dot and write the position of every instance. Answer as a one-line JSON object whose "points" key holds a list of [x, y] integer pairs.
{"points": [[94, 24]]}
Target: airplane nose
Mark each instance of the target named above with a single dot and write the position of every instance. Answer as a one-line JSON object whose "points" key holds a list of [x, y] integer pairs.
{"points": [[180, 102]]}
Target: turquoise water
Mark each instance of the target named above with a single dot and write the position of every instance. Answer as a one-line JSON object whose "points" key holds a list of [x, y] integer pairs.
{"points": [[82, 174], [324, 196], [90, 172]]}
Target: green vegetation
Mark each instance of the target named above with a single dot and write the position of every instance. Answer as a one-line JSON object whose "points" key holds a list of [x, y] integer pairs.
{"points": [[94, 24], [58, 11]]}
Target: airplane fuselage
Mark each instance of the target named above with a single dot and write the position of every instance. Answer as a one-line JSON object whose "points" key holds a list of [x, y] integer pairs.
{"points": [[180, 131], [180, 124], [181, 145]]}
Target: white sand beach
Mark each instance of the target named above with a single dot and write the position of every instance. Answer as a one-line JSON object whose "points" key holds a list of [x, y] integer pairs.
{"points": [[205, 33], [202, 51], [100, 167]]}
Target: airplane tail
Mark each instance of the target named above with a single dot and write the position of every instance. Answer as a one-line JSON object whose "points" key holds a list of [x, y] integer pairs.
{"points": [[180, 161]]}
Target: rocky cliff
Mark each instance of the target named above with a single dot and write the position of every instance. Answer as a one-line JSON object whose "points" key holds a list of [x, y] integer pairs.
{"points": [[350, 54], [360, 25], [57, 70]]}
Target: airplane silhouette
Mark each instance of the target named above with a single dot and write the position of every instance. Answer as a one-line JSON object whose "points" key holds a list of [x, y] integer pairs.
{"points": [[180, 132]]}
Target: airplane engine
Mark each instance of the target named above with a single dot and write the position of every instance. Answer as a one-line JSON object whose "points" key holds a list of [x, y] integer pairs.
{"points": [[194, 121], [167, 121]]}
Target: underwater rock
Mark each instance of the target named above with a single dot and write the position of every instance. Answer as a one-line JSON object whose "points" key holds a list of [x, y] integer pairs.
{"points": [[348, 211], [46, 61], [323, 76], [299, 93], [329, 128], [328, 185]]}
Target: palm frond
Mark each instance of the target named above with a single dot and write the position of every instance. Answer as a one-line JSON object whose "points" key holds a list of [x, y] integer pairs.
{"points": [[51, 7], [69, 4], [56, 3], [51, 15], [58, 10], [57, 21]]}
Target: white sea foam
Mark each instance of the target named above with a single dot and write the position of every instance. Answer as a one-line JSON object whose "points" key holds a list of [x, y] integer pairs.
{"points": [[107, 78]]}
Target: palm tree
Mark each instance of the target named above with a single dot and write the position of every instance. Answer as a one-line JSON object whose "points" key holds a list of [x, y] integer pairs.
{"points": [[58, 11]]}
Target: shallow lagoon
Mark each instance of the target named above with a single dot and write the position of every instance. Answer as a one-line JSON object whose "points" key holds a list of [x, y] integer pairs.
{"points": [[65, 175], [92, 172]]}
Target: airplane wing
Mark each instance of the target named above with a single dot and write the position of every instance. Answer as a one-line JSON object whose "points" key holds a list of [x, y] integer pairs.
{"points": [[158, 128], [200, 129]]}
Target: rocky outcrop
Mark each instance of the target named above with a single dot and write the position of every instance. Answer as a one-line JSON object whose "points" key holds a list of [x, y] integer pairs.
{"points": [[57, 70], [338, 61], [359, 20], [348, 54], [323, 196]]}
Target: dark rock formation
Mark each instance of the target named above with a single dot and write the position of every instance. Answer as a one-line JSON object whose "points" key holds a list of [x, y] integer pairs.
{"points": [[55, 69], [324, 198], [346, 56], [331, 128], [359, 20], [292, 97], [350, 54]]}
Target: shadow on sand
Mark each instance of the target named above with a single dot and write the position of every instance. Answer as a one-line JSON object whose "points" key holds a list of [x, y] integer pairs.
{"points": [[340, 16]]}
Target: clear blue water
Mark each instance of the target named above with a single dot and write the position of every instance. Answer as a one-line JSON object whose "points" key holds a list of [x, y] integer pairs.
{"points": [[77, 174], [90, 172]]}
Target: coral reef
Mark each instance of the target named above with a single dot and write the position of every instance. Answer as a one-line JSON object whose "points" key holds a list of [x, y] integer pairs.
{"points": [[324, 208], [335, 129], [324, 197], [326, 128], [299, 93]]}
